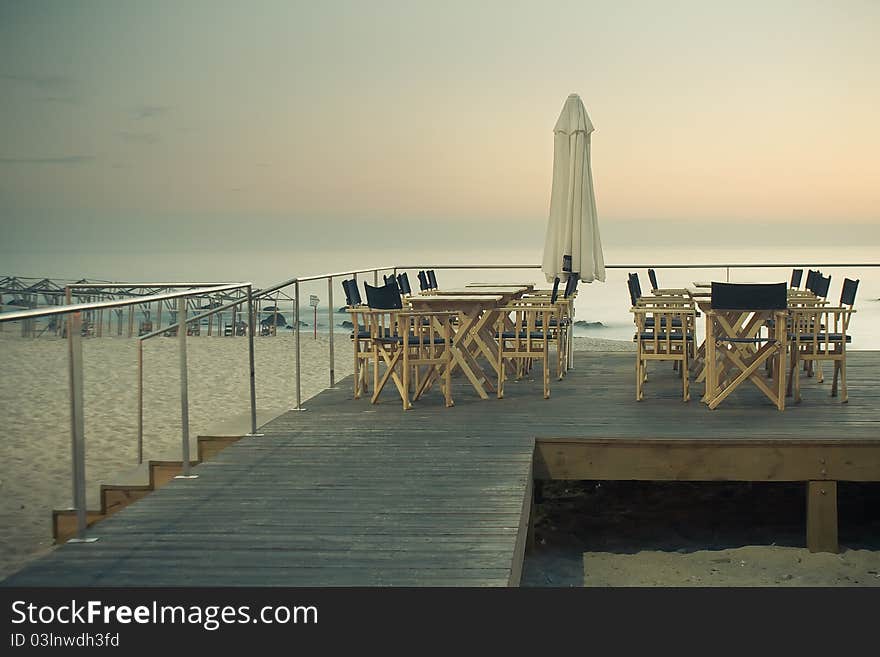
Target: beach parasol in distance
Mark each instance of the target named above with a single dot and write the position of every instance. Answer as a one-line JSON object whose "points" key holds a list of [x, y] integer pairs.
{"points": [[572, 243]]}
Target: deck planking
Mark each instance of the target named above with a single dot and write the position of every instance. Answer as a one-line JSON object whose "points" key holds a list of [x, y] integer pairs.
{"points": [[353, 494]]}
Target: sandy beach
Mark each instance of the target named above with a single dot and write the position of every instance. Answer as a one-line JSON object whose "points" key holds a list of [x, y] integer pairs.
{"points": [[35, 463]]}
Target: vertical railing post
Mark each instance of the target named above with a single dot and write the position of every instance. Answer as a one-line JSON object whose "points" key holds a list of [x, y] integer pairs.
{"points": [[140, 435], [330, 314], [252, 375], [297, 331], [728, 274], [184, 393], [77, 424], [375, 278]]}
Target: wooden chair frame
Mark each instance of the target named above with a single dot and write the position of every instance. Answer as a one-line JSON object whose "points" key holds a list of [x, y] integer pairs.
{"points": [[664, 331], [405, 341], [819, 334], [523, 336], [734, 346]]}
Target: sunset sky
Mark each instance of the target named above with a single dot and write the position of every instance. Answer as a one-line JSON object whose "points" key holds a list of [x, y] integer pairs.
{"points": [[320, 116]]}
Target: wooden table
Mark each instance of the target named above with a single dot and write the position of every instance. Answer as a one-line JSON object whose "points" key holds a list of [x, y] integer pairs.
{"points": [[529, 286], [473, 335], [507, 292]]}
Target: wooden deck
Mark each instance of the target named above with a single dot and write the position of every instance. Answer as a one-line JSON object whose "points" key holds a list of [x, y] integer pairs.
{"points": [[351, 494]]}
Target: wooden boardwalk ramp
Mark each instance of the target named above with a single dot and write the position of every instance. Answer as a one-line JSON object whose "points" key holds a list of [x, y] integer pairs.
{"points": [[352, 494], [345, 493]]}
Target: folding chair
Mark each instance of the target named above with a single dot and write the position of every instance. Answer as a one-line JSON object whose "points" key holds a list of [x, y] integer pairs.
{"points": [[522, 338], [360, 336], [656, 290], [665, 298], [734, 339], [664, 331], [406, 340], [819, 333]]}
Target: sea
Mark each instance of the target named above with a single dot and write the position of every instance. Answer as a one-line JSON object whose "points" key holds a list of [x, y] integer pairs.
{"points": [[601, 309]]}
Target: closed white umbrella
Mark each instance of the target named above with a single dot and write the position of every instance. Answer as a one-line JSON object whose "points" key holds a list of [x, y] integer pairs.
{"points": [[572, 241]]}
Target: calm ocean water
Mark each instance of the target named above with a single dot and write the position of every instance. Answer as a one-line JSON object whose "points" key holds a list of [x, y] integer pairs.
{"points": [[603, 307]]}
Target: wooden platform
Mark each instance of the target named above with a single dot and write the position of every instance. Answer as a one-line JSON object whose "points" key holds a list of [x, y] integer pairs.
{"points": [[346, 493]]}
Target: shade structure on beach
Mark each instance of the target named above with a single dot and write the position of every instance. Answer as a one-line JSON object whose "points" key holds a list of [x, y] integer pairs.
{"points": [[572, 241]]}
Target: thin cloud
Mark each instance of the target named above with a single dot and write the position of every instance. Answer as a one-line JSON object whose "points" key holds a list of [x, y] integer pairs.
{"points": [[53, 88], [150, 111], [41, 82], [139, 137], [62, 100], [68, 160]]}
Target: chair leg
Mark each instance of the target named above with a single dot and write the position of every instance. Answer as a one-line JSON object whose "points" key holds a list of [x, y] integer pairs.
{"points": [[447, 376], [375, 374], [501, 377], [406, 371], [820, 378], [685, 378], [640, 379], [357, 372], [560, 354], [546, 370]]}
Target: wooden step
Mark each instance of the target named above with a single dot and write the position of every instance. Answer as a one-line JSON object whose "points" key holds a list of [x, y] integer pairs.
{"points": [[131, 485]]}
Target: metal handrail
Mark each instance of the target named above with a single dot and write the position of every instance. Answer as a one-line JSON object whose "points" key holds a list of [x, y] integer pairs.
{"points": [[75, 369], [306, 279], [176, 326]]}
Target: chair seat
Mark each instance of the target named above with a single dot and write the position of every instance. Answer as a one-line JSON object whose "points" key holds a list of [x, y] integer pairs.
{"points": [[512, 335], [364, 334], [412, 340], [755, 340], [650, 322], [553, 322], [821, 337], [649, 336]]}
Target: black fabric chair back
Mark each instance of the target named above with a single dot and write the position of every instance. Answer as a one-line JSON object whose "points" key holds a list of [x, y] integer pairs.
{"points": [[848, 292], [637, 286], [566, 263], [403, 284], [796, 276], [432, 279], [423, 281], [652, 276], [571, 285], [630, 285], [349, 300], [555, 294], [386, 297], [821, 285], [391, 282], [811, 279], [749, 296], [355, 293]]}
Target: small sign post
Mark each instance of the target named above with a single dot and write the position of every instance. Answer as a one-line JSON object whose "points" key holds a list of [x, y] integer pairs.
{"points": [[313, 302]]}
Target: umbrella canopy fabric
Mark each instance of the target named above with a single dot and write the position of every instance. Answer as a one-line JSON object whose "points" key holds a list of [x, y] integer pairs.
{"points": [[572, 241]]}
